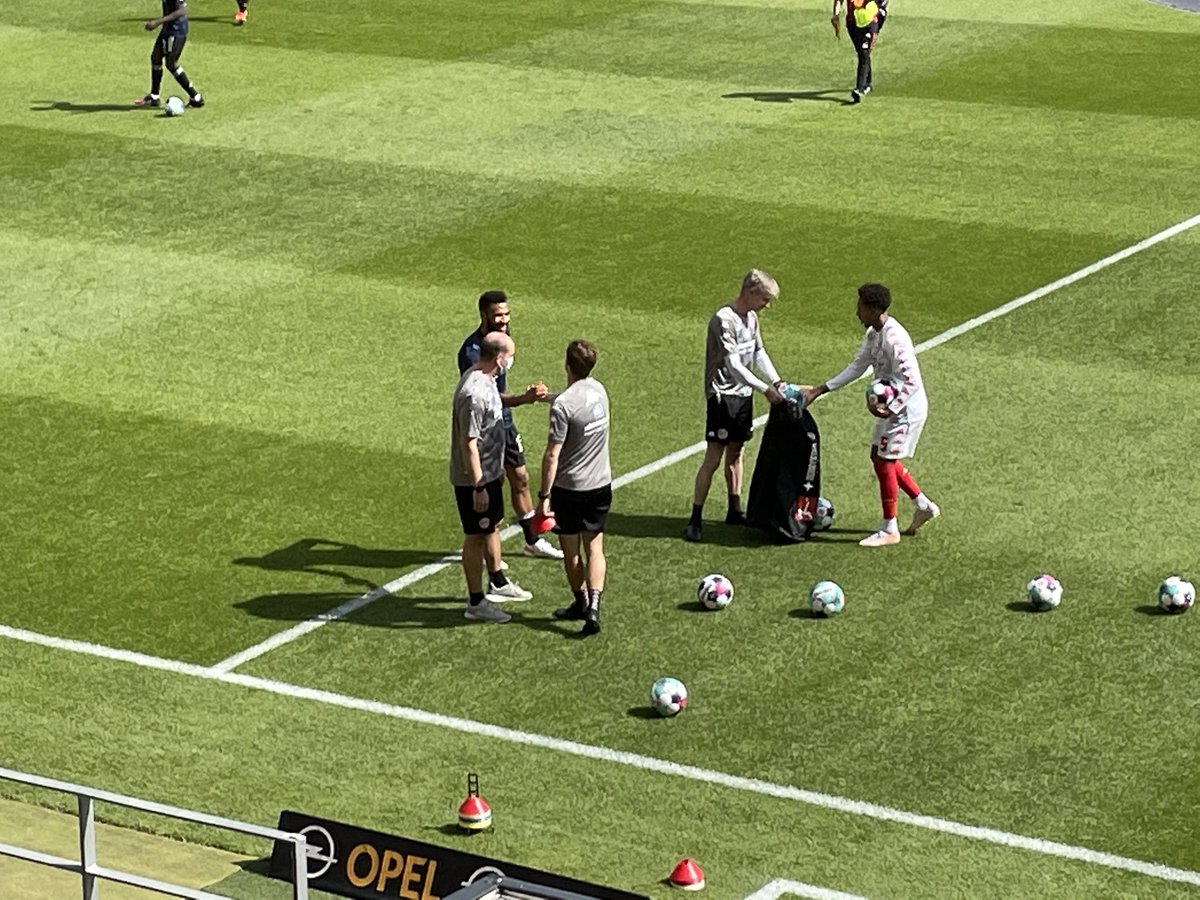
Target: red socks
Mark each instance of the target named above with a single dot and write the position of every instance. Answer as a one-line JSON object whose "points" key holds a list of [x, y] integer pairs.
{"points": [[905, 480], [885, 470]]}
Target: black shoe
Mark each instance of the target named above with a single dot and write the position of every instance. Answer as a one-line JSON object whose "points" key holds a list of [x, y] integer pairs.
{"points": [[855, 96], [735, 518], [692, 533], [573, 613], [196, 102], [591, 622], [150, 100]]}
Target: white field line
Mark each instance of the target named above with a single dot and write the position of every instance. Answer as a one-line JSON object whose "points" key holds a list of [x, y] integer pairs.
{"points": [[296, 631], [620, 757], [781, 886]]}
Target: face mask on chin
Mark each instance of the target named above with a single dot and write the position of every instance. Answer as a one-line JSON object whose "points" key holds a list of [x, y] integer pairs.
{"points": [[506, 366]]}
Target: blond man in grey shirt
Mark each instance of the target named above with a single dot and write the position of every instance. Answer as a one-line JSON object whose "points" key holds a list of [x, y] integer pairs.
{"points": [[577, 483], [733, 345]]}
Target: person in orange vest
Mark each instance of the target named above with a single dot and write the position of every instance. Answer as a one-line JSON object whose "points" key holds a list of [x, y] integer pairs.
{"points": [[864, 21]]}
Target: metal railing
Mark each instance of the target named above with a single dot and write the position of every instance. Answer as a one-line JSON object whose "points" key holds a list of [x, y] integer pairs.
{"points": [[91, 873]]}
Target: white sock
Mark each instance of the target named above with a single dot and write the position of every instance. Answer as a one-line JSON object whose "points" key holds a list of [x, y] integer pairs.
{"points": [[890, 526], [532, 512]]}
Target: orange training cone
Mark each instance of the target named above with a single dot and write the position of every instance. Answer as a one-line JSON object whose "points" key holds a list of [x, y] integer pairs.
{"points": [[687, 875], [474, 814]]}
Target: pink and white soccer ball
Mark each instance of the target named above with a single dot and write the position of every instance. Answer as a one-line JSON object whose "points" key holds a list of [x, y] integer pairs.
{"points": [[880, 392], [1044, 592], [715, 592]]}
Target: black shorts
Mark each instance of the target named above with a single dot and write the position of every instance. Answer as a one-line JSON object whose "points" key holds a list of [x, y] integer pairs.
{"points": [[514, 450], [170, 46], [577, 511], [480, 522], [730, 420]]}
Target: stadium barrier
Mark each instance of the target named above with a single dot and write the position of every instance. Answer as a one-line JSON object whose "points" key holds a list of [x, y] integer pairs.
{"points": [[91, 873]]}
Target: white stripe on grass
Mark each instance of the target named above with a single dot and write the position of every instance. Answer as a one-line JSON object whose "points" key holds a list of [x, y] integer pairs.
{"points": [[350, 606], [781, 886], [619, 757]]}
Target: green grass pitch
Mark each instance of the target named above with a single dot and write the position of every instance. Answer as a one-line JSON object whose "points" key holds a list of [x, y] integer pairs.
{"points": [[226, 356]]}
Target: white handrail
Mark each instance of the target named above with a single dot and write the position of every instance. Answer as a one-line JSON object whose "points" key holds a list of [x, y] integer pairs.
{"points": [[91, 872]]}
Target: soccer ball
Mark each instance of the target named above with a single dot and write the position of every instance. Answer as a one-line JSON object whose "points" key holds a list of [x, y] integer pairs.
{"points": [[715, 592], [1176, 595], [826, 598], [668, 696], [1044, 592], [823, 517], [174, 106], [880, 392], [793, 394]]}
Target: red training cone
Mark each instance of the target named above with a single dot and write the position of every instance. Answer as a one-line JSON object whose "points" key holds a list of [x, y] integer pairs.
{"points": [[474, 814], [687, 875]]}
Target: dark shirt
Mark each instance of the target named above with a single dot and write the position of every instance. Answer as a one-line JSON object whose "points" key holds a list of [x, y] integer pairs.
{"points": [[468, 355], [178, 26]]}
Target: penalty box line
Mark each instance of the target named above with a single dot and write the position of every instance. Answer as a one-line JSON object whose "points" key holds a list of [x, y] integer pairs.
{"points": [[624, 758], [392, 587]]}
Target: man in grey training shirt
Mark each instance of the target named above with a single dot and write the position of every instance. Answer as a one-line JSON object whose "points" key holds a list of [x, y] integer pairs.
{"points": [[577, 483], [476, 472], [734, 345]]}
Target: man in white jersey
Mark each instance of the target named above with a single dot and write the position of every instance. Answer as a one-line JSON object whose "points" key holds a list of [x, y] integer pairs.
{"points": [[577, 483], [734, 345], [888, 349], [477, 443]]}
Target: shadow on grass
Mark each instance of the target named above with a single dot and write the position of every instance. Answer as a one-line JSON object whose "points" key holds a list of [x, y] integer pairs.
{"points": [[1024, 606], [829, 95], [68, 107], [694, 606], [643, 712], [385, 612], [1152, 609], [803, 612], [260, 866], [635, 526], [320, 556]]}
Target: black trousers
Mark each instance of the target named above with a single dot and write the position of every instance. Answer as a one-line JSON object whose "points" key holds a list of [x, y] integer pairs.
{"points": [[864, 42]]}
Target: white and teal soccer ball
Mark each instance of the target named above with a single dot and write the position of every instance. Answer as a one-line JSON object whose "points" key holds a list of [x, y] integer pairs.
{"points": [[668, 696], [715, 592], [823, 517], [1044, 592], [794, 394], [1176, 595], [174, 107], [826, 599]]}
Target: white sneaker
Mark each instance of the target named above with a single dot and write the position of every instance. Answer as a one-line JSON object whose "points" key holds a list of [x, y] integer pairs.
{"points": [[486, 611], [510, 591], [880, 539], [543, 549], [921, 516]]}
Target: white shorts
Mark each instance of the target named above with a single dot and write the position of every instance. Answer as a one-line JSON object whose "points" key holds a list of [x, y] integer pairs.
{"points": [[896, 436]]}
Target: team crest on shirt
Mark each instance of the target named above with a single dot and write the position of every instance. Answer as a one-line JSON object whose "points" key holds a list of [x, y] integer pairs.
{"points": [[722, 434], [485, 522]]}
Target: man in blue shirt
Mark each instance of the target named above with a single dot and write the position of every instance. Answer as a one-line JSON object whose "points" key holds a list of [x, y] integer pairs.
{"points": [[169, 46], [494, 315]]}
